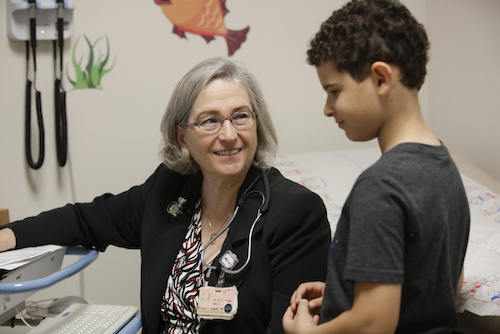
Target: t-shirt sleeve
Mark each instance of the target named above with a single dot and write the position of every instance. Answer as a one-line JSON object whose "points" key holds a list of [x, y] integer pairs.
{"points": [[375, 250]]}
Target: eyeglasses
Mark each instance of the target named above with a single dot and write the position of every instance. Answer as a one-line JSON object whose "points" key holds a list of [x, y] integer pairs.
{"points": [[213, 123]]}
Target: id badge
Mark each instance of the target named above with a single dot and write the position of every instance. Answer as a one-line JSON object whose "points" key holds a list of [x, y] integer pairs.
{"points": [[217, 303]]}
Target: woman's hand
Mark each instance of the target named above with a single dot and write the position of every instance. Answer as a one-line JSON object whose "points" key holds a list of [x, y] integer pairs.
{"points": [[313, 292], [305, 304], [7, 239]]}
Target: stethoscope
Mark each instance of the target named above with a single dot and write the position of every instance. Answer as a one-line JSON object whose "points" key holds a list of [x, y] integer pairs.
{"points": [[229, 260]]}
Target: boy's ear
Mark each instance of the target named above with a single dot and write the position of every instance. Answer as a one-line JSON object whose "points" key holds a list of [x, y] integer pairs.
{"points": [[383, 74]]}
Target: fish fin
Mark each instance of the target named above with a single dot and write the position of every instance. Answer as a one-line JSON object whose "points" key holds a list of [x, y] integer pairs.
{"points": [[163, 2], [179, 32], [208, 38], [223, 7], [235, 39]]}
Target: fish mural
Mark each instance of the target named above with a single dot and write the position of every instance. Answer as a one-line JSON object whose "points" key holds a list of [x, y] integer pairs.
{"points": [[204, 18]]}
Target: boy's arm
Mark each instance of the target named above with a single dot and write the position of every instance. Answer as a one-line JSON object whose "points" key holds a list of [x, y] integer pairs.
{"points": [[375, 310]]}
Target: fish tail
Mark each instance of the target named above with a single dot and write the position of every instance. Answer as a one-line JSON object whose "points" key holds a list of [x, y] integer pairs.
{"points": [[179, 32], [235, 39]]}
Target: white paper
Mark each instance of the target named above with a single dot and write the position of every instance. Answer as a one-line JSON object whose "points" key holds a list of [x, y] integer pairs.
{"points": [[16, 258]]}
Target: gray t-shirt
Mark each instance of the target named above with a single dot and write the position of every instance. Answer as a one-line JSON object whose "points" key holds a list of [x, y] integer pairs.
{"points": [[406, 221]]}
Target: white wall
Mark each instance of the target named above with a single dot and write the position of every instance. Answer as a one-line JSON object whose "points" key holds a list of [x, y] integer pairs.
{"points": [[114, 132], [464, 74]]}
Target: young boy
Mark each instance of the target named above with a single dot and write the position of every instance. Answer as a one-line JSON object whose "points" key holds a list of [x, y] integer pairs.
{"points": [[397, 255]]}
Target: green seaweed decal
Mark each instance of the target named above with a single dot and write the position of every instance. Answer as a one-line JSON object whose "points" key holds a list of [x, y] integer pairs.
{"points": [[91, 75]]}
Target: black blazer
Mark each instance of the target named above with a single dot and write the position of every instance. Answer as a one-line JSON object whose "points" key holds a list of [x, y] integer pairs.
{"points": [[289, 246]]}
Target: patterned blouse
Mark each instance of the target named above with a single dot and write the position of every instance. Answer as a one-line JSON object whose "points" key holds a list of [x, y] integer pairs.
{"points": [[180, 301]]}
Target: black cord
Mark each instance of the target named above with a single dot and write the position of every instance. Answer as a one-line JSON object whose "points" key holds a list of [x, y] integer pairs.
{"points": [[61, 123], [38, 96], [59, 92]]}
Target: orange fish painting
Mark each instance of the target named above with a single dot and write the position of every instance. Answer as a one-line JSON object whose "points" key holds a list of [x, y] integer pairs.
{"points": [[204, 18]]}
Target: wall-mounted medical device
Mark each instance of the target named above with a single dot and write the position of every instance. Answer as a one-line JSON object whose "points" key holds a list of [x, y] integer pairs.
{"points": [[47, 13], [38, 20]]}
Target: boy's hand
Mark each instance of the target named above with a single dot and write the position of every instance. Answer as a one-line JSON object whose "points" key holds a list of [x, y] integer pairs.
{"points": [[375, 310], [302, 321], [311, 291]]}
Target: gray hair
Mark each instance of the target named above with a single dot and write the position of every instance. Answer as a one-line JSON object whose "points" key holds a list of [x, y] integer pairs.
{"points": [[183, 98]]}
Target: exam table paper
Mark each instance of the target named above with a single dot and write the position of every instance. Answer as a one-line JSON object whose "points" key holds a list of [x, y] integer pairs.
{"points": [[480, 293]]}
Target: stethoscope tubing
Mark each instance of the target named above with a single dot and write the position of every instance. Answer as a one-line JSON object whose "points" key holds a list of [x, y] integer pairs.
{"points": [[263, 207]]}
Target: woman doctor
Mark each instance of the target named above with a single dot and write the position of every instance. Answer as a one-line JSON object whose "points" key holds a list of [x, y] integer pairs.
{"points": [[214, 193]]}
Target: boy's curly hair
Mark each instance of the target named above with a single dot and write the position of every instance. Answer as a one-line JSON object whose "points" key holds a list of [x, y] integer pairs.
{"points": [[365, 31]]}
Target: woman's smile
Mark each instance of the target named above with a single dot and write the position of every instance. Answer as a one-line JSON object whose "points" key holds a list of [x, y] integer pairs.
{"points": [[232, 152]]}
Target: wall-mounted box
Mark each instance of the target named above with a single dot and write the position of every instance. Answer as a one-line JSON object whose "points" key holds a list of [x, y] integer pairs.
{"points": [[18, 19], [4, 217]]}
